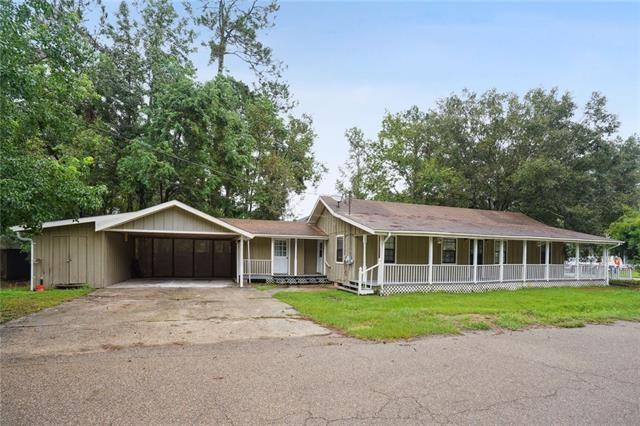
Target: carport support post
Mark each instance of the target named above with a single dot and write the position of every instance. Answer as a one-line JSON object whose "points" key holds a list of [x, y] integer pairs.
{"points": [[547, 246], [249, 260], [272, 243], [605, 263], [241, 262]]}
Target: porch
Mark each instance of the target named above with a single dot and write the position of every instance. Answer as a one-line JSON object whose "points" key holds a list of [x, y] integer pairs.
{"points": [[428, 264], [283, 260]]}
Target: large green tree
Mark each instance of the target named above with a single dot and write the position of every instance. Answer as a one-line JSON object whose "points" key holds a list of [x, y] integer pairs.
{"points": [[504, 152], [45, 100]]}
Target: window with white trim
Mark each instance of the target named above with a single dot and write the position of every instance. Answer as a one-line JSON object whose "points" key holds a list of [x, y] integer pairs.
{"points": [[339, 248], [390, 250], [543, 253], [449, 249]]}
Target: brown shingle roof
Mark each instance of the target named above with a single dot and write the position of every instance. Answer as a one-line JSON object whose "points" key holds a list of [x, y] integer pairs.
{"points": [[418, 218], [277, 228]]}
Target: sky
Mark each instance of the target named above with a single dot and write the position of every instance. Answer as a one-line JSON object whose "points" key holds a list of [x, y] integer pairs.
{"points": [[350, 62]]}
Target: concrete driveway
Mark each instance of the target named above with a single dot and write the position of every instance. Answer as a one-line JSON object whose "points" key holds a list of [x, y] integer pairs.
{"points": [[148, 315], [186, 356]]}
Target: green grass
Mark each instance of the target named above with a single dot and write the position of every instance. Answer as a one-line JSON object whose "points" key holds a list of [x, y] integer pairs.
{"points": [[411, 315], [18, 302]]}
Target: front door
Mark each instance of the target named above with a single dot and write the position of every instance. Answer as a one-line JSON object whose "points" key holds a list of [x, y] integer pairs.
{"points": [[280, 257], [61, 260], [320, 257]]}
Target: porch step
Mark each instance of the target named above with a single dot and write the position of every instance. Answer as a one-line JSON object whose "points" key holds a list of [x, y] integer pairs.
{"points": [[352, 287], [300, 279]]}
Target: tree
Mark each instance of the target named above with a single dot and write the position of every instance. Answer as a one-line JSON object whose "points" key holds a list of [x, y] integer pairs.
{"points": [[352, 174], [627, 229], [233, 29], [45, 101], [500, 151]]}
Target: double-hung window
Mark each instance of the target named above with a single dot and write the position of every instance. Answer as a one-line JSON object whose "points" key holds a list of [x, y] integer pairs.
{"points": [[496, 252], [390, 250], [339, 248], [449, 250]]}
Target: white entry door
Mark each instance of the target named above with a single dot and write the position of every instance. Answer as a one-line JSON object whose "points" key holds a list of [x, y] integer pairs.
{"points": [[280, 257], [320, 257]]}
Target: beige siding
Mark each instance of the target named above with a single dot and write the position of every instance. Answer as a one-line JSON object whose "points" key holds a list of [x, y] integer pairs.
{"points": [[117, 258], [260, 248], [81, 244], [175, 220], [557, 253], [333, 227]]}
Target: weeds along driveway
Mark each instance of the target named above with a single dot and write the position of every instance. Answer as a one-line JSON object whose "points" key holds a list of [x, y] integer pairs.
{"points": [[116, 318]]}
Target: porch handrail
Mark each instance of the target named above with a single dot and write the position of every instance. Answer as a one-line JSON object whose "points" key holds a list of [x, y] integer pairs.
{"points": [[257, 266], [363, 276]]}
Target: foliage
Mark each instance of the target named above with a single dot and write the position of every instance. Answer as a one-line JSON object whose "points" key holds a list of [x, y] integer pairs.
{"points": [[501, 152], [44, 102], [18, 302], [412, 315], [627, 229]]}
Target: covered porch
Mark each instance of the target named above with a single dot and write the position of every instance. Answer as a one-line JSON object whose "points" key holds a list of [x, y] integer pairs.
{"points": [[282, 260], [400, 263]]}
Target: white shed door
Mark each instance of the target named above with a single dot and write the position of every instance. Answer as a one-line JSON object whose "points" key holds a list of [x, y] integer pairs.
{"points": [[280, 257]]}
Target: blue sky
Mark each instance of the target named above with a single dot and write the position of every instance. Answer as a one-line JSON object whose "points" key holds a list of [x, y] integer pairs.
{"points": [[349, 62]]}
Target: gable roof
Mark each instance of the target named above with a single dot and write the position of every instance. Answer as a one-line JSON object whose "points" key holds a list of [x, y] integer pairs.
{"points": [[106, 222], [264, 228], [404, 218]]}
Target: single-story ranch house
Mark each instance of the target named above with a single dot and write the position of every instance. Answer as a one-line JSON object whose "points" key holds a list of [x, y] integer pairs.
{"points": [[362, 246]]}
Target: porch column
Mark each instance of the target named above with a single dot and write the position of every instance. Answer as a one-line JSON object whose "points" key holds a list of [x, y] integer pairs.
{"points": [[547, 256], [524, 260], [605, 263], [272, 257], [577, 261], [430, 260], [364, 252], [501, 260], [475, 260], [381, 241], [249, 260], [295, 256], [241, 262]]}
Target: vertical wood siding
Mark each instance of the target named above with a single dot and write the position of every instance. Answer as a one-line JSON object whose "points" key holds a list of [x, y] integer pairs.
{"points": [[173, 219]]}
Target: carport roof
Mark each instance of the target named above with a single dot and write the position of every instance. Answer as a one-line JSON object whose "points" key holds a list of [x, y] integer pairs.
{"points": [[277, 228]]}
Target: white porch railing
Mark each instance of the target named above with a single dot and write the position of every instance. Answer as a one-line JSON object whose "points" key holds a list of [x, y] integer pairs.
{"points": [[257, 267], [452, 274], [621, 273], [400, 274]]}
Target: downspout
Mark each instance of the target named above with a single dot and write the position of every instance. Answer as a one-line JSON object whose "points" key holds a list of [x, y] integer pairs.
{"points": [[31, 255]]}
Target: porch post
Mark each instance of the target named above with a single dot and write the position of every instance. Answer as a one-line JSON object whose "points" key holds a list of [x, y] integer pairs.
{"points": [[364, 252], [272, 257], [547, 255], [430, 260], [241, 262], [501, 260], [249, 269], [605, 263], [295, 256], [524, 260], [381, 241], [475, 260], [577, 261]]}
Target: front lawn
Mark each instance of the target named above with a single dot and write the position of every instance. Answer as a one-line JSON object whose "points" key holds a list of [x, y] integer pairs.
{"points": [[411, 315], [18, 302]]}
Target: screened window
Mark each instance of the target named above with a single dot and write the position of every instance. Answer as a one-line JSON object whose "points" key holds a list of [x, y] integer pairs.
{"points": [[390, 250], [449, 251], [496, 252], [480, 252], [543, 253], [340, 248]]}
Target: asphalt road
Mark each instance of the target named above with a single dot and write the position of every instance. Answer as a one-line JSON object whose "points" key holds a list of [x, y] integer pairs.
{"points": [[588, 375]]}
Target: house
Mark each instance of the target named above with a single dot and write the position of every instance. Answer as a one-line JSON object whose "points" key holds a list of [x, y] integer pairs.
{"points": [[363, 246]]}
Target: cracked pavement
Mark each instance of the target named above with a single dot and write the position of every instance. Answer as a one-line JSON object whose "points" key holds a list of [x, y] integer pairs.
{"points": [[586, 375]]}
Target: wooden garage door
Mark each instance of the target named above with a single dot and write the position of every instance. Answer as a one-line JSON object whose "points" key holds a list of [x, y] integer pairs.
{"points": [[69, 260]]}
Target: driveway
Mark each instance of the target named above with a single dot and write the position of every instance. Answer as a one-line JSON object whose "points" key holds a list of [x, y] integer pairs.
{"points": [[148, 315], [273, 368]]}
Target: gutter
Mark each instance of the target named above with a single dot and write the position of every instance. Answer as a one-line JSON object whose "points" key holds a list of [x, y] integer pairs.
{"points": [[31, 256]]}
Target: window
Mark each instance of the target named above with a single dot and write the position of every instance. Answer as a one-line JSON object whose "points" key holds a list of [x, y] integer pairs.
{"points": [[339, 248], [390, 250], [449, 251], [496, 252], [280, 248]]}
